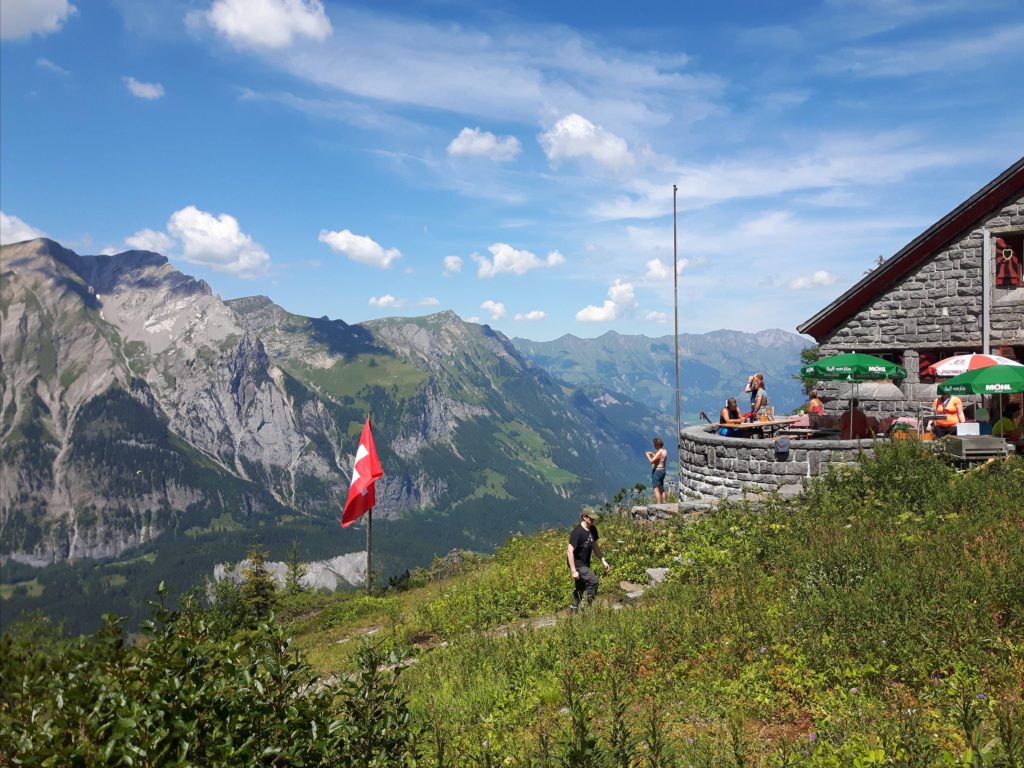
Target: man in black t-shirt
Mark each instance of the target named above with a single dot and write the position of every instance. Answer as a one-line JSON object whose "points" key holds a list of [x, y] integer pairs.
{"points": [[583, 542]]}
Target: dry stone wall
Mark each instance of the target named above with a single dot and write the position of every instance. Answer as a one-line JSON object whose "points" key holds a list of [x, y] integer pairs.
{"points": [[713, 465]]}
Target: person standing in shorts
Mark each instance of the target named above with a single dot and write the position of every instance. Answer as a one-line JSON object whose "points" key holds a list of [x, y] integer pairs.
{"points": [[657, 459], [583, 543]]}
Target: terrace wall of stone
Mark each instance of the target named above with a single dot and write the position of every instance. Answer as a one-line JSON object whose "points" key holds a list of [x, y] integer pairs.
{"points": [[713, 465]]}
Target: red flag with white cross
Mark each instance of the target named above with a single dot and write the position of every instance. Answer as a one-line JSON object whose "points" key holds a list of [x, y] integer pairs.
{"points": [[365, 473]]}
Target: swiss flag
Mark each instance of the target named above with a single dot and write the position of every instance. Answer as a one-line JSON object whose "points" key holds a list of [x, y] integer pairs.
{"points": [[367, 469]]}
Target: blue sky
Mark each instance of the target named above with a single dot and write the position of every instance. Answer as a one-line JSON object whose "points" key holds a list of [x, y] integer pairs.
{"points": [[513, 162]]}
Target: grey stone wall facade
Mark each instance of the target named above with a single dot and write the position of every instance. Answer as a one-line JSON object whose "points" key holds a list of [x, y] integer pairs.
{"points": [[936, 307], [713, 465]]}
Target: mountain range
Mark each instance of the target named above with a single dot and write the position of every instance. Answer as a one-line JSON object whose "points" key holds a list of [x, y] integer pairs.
{"points": [[713, 367], [148, 428]]}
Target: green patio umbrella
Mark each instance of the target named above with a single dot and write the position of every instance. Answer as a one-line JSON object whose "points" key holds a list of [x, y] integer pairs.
{"points": [[854, 367], [993, 380]]}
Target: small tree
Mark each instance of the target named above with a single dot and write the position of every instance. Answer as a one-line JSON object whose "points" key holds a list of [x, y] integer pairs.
{"points": [[295, 572], [258, 590], [808, 355]]}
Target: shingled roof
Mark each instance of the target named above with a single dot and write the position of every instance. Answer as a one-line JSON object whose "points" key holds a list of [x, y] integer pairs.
{"points": [[965, 217]]}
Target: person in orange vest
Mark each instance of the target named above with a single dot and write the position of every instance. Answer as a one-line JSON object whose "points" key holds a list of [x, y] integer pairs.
{"points": [[950, 410]]}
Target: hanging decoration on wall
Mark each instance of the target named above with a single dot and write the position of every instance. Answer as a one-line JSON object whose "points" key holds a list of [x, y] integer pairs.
{"points": [[1008, 264]]}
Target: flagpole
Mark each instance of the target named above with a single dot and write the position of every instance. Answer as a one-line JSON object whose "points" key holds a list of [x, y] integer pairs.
{"points": [[369, 551], [369, 536], [675, 282]]}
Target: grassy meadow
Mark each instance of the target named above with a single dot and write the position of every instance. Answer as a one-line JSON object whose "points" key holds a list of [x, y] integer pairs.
{"points": [[879, 620]]}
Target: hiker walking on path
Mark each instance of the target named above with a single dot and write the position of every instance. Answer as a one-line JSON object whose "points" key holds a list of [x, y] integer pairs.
{"points": [[657, 460], [583, 542]]}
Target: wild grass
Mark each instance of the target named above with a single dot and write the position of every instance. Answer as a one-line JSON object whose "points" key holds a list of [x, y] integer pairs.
{"points": [[879, 620]]}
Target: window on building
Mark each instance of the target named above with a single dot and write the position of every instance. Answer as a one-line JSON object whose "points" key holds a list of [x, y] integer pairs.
{"points": [[1007, 251]]}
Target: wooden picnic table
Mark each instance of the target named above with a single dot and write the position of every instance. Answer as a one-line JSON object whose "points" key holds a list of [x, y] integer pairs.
{"points": [[761, 427]]}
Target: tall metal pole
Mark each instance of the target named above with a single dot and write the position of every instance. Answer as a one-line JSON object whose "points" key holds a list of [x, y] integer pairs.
{"points": [[675, 282], [369, 551], [369, 530]]}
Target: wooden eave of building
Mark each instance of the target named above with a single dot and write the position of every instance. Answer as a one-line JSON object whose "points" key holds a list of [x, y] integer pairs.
{"points": [[993, 196]]}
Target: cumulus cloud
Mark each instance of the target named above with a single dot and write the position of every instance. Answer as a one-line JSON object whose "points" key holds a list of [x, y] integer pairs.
{"points": [[496, 308], [387, 300], [511, 260], [622, 293], [656, 317], [452, 264], [657, 270], [360, 248], [217, 242], [23, 18], [428, 301], [148, 91], [266, 23], [472, 142], [821, 277], [621, 302], [593, 314], [575, 137], [532, 315], [14, 230], [149, 240]]}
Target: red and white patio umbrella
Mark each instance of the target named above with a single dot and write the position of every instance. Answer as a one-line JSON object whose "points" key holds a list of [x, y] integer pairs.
{"points": [[957, 364]]}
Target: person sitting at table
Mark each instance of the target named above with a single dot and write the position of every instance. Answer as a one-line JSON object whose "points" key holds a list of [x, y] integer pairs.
{"points": [[950, 410], [814, 404], [1011, 426], [854, 424], [758, 395], [730, 415]]}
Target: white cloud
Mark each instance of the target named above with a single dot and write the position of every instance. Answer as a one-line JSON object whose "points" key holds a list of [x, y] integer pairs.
{"points": [[621, 302], [452, 264], [149, 240], [512, 72], [622, 294], [532, 315], [14, 230], [216, 242], [472, 142], [591, 314], [821, 277], [657, 270], [266, 23], [360, 248], [496, 308], [44, 63], [575, 137], [428, 301], [511, 260], [108, 250], [22, 18], [837, 162], [955, 53], [148, 91], [656, 317], [387, 300]]}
